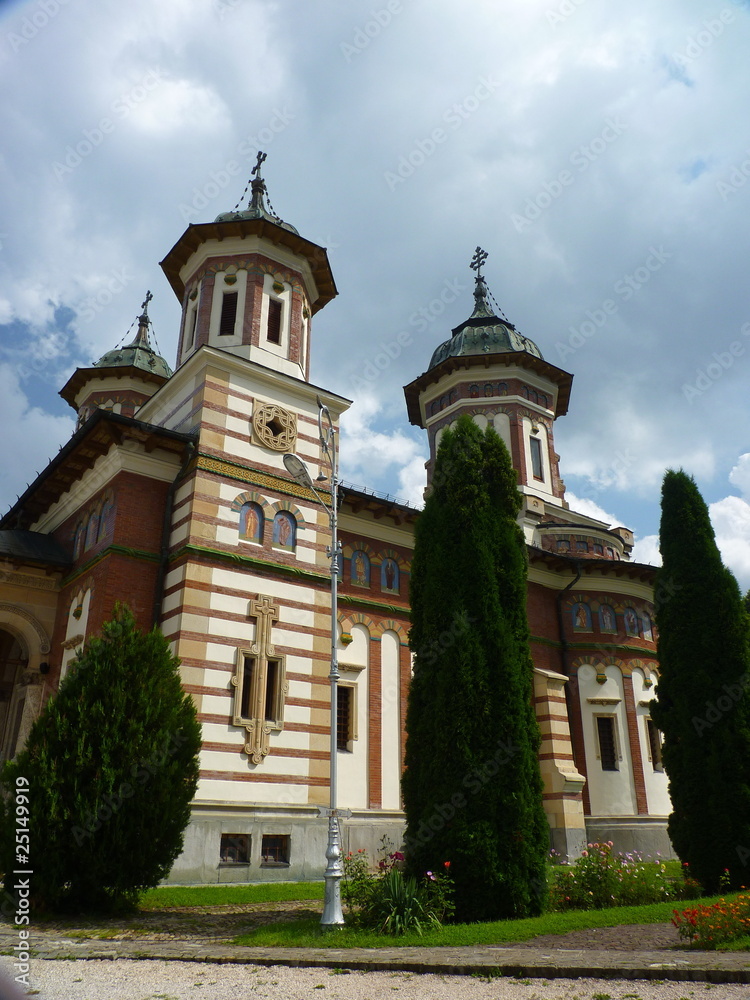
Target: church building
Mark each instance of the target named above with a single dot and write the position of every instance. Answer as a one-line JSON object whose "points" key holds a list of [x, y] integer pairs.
{"points": [[173, 495]]}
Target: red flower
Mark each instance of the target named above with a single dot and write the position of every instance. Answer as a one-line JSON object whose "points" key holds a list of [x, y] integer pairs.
{"points": [[446, 864]]}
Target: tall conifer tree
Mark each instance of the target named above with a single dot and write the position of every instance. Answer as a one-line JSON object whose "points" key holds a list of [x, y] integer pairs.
{"points": [[703, 707], [472, 786]]}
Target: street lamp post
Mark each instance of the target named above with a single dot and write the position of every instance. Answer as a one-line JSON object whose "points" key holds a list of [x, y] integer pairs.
{"points": [[332, 913]]}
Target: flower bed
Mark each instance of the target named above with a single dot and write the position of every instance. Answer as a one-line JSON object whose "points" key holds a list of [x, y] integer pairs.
{"points": [[711, 926]]}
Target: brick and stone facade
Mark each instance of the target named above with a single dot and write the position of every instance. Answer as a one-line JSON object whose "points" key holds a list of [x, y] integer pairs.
{"points": [[173, 496]]}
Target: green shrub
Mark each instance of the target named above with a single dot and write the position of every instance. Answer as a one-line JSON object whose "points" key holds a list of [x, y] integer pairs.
{"points": [[391, 902], [111, 766], [601, 878]]}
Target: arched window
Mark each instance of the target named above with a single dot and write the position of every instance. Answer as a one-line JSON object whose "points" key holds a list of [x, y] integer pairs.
{"points": [[360, 569], [251, 522], [474, 391], [105, 518], [582, 616], [607, 619], [284, 531], [631, 622], [78, 541], [92, 530], [648, 632], [389, 576]]}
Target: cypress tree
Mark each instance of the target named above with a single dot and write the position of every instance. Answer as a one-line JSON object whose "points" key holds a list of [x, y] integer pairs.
{"points": [[110, 768], [472, 787], [703, 708]]}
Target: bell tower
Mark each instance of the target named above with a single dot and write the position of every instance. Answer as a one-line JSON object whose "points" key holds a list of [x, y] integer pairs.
{"points": [[489, 370], [249, 284]]}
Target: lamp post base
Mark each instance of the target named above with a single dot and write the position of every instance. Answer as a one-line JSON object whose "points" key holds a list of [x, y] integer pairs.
{"points": [[333, 915]]}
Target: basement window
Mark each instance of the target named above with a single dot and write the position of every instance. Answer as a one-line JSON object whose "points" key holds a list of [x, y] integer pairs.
{"points": [[274, 851], [235, 849]]}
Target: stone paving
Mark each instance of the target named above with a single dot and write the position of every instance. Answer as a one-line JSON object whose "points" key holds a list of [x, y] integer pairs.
{"points": [[548, 963]]}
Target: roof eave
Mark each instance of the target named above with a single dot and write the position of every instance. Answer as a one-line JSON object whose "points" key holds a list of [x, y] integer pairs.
{"points": [[198, 233], [563, 379]]}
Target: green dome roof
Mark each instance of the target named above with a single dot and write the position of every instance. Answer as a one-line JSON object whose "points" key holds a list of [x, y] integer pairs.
{"points": [[483, 333], [139, 354], [135, 356]]}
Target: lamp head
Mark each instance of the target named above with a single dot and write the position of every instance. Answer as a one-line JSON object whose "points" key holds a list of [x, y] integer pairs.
{"points": [[297, 469]]}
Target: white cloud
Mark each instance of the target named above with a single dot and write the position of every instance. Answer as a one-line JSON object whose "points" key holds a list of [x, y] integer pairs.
{"points": [[590, 508], [740, 474], [35, 439], [368, 454], [731, 520], [646, 550]]}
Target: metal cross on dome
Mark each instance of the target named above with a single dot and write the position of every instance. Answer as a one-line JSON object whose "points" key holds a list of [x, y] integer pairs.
{"points": [[477, 261], [256, 168]]}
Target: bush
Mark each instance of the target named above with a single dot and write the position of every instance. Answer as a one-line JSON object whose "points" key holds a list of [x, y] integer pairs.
{"points": [[391, 902], [709, 927], [601, 878], [111, 766]]}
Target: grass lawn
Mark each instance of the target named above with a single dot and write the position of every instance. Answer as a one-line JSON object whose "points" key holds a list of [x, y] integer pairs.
{"points": [[308, 934], [228, 895]]}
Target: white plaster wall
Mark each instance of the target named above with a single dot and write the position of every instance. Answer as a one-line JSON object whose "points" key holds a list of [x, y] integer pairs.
{"points": [[391, 721], [75, 626], [657, 793], [612, 793], [501, 423], [352, 767]]}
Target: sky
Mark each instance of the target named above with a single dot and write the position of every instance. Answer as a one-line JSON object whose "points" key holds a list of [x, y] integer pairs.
{"points": [[599, 153]]}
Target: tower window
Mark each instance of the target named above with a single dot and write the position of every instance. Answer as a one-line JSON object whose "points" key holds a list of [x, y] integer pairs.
{"points": [[536, 458], [654, 743], [273, 334], [192, 323], [343, 717], [228, 314], [248, 667], [605, 726]]}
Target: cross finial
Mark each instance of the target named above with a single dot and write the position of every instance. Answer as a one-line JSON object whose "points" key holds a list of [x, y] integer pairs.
{"points": [[256, 168], [477, 261], [144, 304]]}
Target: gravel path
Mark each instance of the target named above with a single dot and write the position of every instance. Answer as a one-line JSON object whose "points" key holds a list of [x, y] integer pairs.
{"points": [[157, 980]]}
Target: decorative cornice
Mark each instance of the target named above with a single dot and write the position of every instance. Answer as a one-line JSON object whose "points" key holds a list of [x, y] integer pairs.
{"points": [[34, 582], [118, 550], [244, 474], [247, 562], [361, 602]]}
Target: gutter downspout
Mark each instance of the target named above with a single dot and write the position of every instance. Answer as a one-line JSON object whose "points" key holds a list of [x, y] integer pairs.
{"points": [[166, 531]]}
